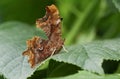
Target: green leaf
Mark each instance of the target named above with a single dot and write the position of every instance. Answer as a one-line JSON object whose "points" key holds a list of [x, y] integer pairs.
{"points": [[117, 4], [88, 75], [118, 70], [2, 77], [13, 36], [90, 56], [57, 69], [38, 74]]}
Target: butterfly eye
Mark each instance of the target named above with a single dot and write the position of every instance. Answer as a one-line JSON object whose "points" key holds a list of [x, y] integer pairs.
{"points": [[61, 19]]}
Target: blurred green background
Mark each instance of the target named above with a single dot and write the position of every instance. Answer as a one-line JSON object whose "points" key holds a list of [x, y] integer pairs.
{"points": [[83, 20]]}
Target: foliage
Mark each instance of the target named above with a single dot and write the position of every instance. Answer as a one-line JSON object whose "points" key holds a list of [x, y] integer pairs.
{"points": [[22, 10], [90, 56], [82, 75], [117, 4], [84, 21]]}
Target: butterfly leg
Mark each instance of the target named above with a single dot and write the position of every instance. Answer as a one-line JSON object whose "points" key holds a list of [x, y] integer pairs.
{"points": [[64, 48]]}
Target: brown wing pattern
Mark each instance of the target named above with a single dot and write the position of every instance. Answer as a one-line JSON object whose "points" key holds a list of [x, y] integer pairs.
{"points": [[39, 49]]}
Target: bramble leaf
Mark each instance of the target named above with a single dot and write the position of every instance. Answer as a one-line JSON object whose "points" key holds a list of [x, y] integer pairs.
{"points": [[88, 75], [13, 36], [90, 56]]}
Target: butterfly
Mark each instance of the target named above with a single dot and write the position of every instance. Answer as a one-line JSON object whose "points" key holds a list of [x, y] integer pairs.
{"points": [[39, 49]]}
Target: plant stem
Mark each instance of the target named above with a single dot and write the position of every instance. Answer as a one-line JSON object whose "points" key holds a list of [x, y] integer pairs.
{"points": [[77, 25]]}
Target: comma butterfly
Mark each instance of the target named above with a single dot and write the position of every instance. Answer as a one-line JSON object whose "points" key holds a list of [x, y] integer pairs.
{"points": [[39, 49]]}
